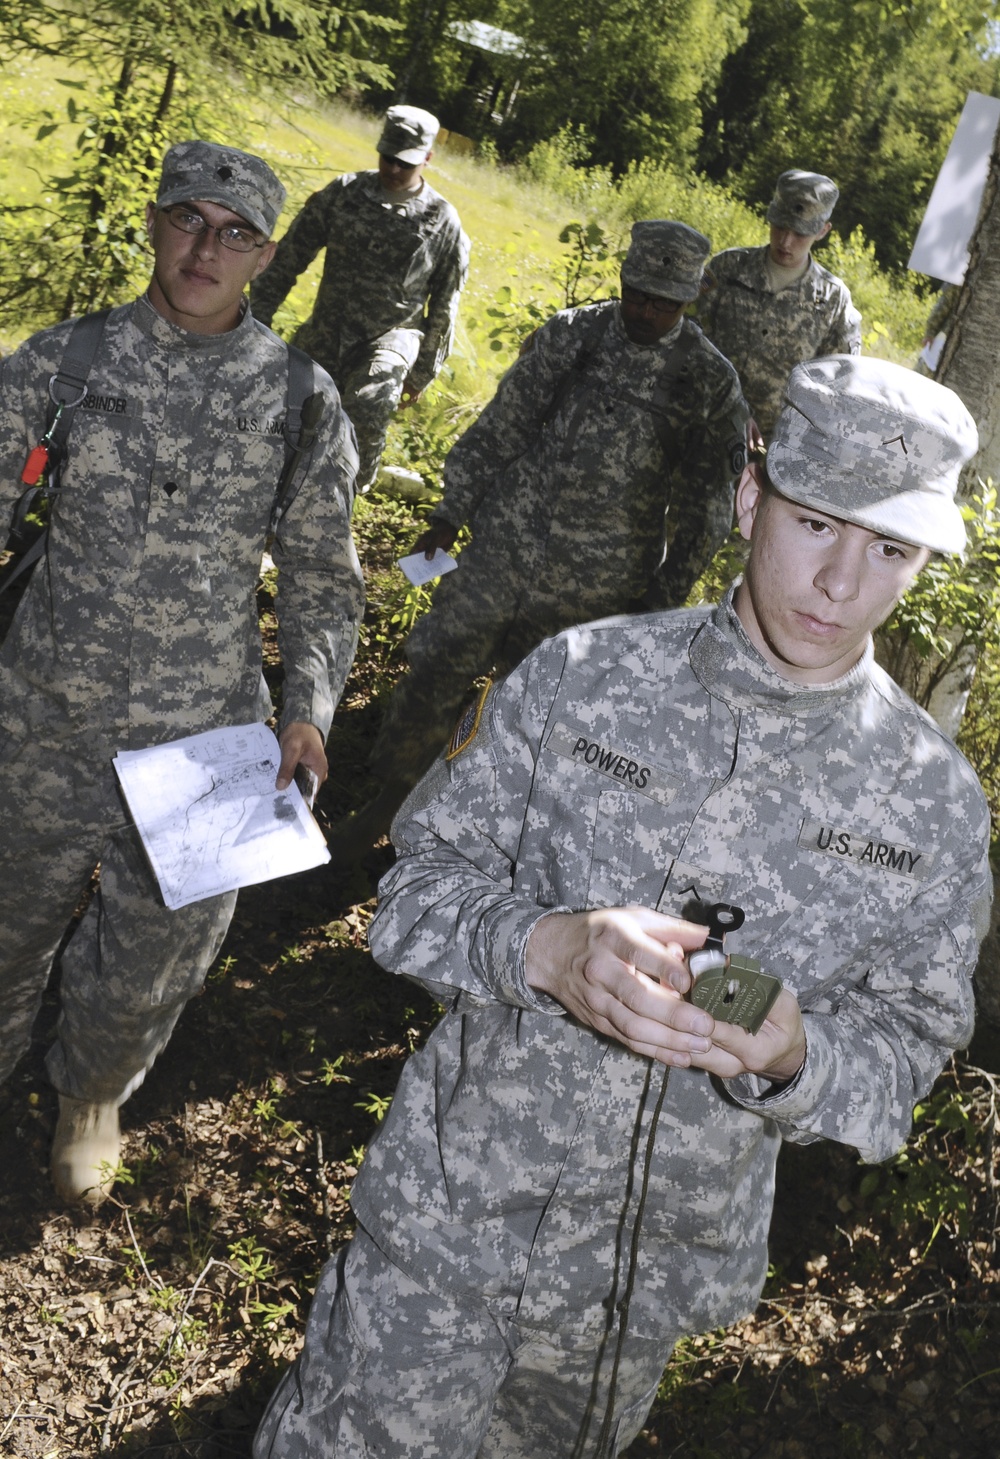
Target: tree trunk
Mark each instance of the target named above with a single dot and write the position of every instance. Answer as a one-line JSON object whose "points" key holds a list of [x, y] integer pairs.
{"points": [[969, 365]]}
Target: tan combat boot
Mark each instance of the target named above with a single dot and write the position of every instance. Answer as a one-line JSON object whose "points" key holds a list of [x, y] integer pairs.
{"points": [[86, 1149]]}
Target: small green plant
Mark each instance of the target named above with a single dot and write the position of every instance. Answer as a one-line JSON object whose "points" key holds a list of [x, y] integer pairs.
{"points": [[376, 1105], [592, 265], [50, 1316], [165, 1299], [251, 1261], [331, 1072], [515, 318], [917, 1189], [270, 1314]]}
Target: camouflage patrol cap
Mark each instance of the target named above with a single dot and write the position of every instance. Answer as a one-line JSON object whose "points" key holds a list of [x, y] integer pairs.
{"points": [[876, 444], [803, 201], [408, 133], [666, 259], [206, 172]]}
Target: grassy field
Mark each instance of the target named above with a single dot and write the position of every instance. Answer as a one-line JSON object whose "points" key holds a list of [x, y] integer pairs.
{"points": [[513, 216]]}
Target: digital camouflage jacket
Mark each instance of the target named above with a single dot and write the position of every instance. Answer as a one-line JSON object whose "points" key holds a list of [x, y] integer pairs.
{"points": [[650, 760], [140, 623], [574, 478], [766, 335], [388, 266]]}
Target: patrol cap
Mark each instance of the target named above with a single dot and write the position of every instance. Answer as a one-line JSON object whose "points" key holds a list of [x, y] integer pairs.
{"points": [[204, 171], [803, 201], [666, 259], [408, 133], [876, 444]]}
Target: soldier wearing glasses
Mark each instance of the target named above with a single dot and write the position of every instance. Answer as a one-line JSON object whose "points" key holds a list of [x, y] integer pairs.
{"points": [[600, 477], [395, 262], [140, 626]]}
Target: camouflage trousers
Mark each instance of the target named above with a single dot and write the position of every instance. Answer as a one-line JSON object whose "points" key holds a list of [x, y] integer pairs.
{"points": [[130, 965], [370, 391], [481, 622], [392, 1371]]}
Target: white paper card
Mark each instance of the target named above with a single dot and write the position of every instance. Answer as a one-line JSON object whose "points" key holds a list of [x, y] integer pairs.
{"points": [[419, 570], [209, 816]]}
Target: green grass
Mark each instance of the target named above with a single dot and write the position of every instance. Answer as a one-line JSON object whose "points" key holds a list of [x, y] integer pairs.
{"points": [[513, 216]]}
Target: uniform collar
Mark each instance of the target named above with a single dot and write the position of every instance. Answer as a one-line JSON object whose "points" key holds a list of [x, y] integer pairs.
{"points": [[728, 665], [664, 344], [753, 271], [416, 202], [171, 337]]}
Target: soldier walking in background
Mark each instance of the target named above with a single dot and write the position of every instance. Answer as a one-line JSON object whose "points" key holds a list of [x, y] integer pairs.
{"points": [[396, 260], [139, 625], [598, 479], [769, 308]]}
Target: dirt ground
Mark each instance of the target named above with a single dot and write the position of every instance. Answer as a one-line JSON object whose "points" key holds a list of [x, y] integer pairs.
{"points": [[158, 1324]]}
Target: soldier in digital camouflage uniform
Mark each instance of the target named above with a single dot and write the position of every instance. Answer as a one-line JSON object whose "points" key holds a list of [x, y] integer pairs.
{"points": [[140, 625], [578, 1167], [599, 477], [771, 307], [396, 260]]}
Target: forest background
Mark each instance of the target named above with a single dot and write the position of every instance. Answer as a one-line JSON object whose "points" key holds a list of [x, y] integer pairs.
{"points": [[158, 1324]]}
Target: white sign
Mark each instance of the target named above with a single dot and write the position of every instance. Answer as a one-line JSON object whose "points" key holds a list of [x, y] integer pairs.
{"points": [[942, 246]]}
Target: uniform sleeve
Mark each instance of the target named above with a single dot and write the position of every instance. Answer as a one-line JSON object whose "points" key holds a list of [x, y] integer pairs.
{"points": [[24, 404], [877, 1044], [307, 234], [443, 296], [320, 587], [447, 915], [712, 455], [844, 335], [22, 422], [510, 423]]}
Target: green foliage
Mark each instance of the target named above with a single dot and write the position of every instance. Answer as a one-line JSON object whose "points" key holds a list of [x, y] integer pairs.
{"points": [[514, 319], [893, 314], [953, 605], [376, 1105], [157, 75], [633, 77], [865, 91], [917, 1188], [250, 1261], [593, 264]]}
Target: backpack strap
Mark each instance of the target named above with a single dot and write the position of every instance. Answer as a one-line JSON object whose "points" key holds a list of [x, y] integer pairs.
{"points": [[593, 336], [67, 388], [673, 368], [303, 412]]}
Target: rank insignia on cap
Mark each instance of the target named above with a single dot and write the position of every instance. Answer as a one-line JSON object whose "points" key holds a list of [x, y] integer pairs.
{"points": [[465, 730]]}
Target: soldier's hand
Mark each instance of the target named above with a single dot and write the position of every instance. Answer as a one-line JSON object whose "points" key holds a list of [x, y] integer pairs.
{"points": [[409, 396], [439, 534], [621, 971], [777, 1051], [301, 744]]}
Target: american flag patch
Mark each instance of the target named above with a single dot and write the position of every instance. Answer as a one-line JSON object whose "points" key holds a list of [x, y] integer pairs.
{"points": [[465, 730]]}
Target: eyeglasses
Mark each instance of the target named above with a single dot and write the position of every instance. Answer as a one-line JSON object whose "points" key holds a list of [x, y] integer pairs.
{"points": [[230, 235], [660, 308]]}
